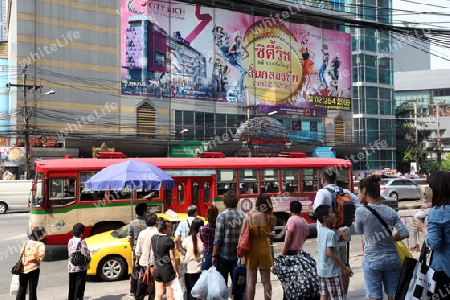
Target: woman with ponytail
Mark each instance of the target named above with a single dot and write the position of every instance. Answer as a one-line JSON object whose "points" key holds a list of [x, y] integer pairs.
{"points": [[193, 248]]}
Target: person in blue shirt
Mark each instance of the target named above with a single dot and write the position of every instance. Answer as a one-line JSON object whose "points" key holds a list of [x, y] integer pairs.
{"points": [[437, 232], [329, 267]]}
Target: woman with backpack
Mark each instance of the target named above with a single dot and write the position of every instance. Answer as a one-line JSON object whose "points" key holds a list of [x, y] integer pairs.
{"points": [[77, 264]]}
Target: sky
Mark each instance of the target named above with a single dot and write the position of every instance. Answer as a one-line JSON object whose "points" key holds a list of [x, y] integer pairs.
{"points": [[413, 11]]}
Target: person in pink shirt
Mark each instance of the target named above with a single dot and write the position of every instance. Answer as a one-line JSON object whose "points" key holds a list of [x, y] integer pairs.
{"points": [[296, 230]]}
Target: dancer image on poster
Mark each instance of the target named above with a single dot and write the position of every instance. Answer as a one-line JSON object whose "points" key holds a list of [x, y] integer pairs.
{"points": [[335, 64], [233, 53], [323, 67], [308, 66]]}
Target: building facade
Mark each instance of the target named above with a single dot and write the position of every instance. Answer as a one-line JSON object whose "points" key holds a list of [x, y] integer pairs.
{"points": [[146, 79]]}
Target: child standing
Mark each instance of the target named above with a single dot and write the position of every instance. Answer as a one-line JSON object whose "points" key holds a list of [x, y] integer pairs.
{"points": [[329, 267]]}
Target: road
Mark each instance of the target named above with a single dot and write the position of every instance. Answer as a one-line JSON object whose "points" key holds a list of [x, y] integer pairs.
{"points": [[53, 283]]}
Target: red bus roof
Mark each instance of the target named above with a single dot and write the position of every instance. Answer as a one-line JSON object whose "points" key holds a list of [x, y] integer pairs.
{"points": [[93, 164]]}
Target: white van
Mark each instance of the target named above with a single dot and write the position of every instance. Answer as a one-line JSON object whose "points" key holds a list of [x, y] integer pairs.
{"points": [[14, 194]]}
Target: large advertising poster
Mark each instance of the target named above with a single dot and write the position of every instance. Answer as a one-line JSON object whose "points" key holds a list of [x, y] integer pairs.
{"points": [[194, 52]]}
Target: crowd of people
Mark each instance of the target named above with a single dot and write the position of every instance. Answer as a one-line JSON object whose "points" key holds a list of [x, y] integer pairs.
{"points": [[215, 244]]}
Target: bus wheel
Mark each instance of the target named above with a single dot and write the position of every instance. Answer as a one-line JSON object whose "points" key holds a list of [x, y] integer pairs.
{"points": [[111, 268], [105, 226], [281, 221], [3, 207]]}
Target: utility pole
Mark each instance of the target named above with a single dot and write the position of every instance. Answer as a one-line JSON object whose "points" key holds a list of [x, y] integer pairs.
{"points": [[26, 115], [438, 135], [416, 138]]}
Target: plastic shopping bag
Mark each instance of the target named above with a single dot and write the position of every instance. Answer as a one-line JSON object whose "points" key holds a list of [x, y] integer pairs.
{"points": [[177, 290], [200, 289], [14, 287], [217, 288]]}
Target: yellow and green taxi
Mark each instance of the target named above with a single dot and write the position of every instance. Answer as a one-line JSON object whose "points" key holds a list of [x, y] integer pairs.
{"points": [[111, 251]]}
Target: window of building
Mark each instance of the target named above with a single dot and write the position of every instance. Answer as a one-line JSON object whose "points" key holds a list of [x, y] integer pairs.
{"points": [[146, 120]]}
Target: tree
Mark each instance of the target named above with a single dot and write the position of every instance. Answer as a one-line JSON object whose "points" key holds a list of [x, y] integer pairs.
{"points": [[406, 142]]}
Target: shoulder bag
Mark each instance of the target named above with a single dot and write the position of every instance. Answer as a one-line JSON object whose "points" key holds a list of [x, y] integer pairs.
{"points": [[18, 267], [244, 242], [78, 258], [402, 250]]}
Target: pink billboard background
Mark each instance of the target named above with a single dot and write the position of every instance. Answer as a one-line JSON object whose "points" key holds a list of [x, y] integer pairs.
{"points": [[186, 51]]}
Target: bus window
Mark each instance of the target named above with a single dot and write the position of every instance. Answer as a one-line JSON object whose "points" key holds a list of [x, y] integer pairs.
{"points": [[270, 181], [147, 194], [226, 180], [181, 193], [169, 197], [62, 191], [206, 192], [119, 195], [309, 180], [195, 192], [89, 195], [343, 179], [290, 180], [248, 179]]}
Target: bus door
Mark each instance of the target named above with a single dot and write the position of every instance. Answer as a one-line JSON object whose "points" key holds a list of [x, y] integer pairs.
{"points": [[195, 190], [201, 193], [180, 198]]}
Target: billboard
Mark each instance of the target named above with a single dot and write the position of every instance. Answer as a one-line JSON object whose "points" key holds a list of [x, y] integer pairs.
{"points": [[187, 51]]}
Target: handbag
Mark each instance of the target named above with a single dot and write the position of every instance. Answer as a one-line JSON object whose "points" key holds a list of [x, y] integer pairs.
{"points": [[78, 258], [402, 250], [15, 284], [417, 280], [244, 242], [147, 276], [239, 278], [18, 267], [298, 276]]}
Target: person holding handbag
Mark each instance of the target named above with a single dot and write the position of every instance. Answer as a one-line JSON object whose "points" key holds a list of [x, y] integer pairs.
{"points": [[381, 262], [193, 247], [77, 273], [33, 254], [261, 223], [437, 233]]}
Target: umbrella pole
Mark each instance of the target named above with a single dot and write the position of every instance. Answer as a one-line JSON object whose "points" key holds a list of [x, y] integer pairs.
{"points": [[131, 205]]}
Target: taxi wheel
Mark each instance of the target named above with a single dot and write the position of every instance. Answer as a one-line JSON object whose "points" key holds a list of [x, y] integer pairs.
{"points": [[111, 268]]}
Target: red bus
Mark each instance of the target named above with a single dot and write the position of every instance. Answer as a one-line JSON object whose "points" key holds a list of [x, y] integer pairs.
{"points": [[199, 181]]}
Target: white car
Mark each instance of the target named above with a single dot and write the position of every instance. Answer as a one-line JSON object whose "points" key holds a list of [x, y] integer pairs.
{"points": [[400, 188]]}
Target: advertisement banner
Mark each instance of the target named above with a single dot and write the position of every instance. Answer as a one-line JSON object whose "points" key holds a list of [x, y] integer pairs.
{"points": [[192, 52]]}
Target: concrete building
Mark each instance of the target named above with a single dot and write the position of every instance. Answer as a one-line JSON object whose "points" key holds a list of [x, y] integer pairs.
{"points": [[148, 98], [430, 89]]}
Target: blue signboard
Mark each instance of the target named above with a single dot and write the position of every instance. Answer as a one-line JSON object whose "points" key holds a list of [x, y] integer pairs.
{"points": [[324, 152]]}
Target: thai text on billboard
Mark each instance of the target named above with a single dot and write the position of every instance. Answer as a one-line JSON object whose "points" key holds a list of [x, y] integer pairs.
{"points": [[193, 52]]}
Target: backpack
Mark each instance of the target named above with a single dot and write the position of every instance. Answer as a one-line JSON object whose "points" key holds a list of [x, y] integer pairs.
{"points": [[343, 206], [77, 258]]}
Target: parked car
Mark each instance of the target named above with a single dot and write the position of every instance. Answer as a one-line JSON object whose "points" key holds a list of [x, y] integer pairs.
{"points": [[389, 201], [111, 252], [400, 188]]}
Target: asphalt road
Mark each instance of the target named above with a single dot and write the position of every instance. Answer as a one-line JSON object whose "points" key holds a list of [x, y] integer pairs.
{"points": [[53, 283]]}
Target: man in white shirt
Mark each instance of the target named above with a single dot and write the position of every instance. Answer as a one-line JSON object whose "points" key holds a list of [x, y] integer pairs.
{"points": [[144, 255], [182, 230], [324, 197]]}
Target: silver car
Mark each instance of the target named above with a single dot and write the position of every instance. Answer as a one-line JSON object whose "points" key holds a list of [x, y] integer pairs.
{"points": [[400, 188]]}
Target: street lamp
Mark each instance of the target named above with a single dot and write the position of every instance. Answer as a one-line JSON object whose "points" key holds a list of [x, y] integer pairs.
{"points": [[26, 118]]}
